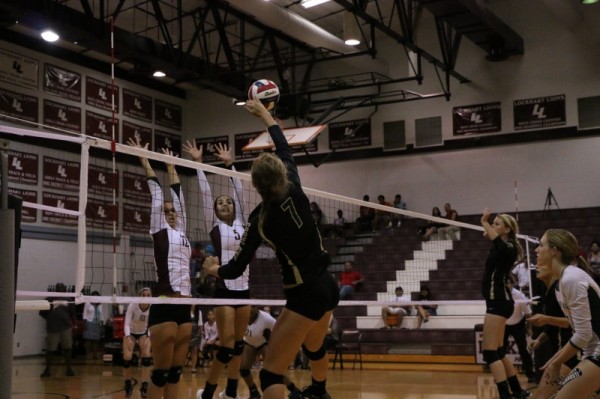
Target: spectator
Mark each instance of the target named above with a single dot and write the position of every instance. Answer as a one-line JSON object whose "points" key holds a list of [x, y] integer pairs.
{"points": [[398, 203], [449, 232], [59, 319], [349, 279], [339, 224], [424, 311], [317, 213], [365, 216], [515, 327], [594, 257], [521, 273], [431, 229], [211, 338], [382, 218], [399, 310], [136, 331], [92, 332]]}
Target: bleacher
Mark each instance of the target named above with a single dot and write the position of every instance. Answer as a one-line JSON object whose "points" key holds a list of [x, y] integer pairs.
{"points": [[452, 270]]}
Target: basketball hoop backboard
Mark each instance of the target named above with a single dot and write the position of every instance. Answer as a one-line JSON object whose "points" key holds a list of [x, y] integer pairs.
{"points": [[295, 136]]}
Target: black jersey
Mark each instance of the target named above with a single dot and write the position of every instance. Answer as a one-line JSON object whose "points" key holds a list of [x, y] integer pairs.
{"points": [[288, 228], [558, 336], [498, 265]]}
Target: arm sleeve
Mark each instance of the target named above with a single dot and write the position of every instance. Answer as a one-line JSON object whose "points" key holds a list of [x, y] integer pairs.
{"points": [[157, 219], [284, 152], [207, 200], [127, 321], [576, 295], [251, 240], [179, 204], [238, 197]]}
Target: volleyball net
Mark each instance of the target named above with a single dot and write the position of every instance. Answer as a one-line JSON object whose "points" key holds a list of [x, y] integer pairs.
{"points": [[95, 192]]}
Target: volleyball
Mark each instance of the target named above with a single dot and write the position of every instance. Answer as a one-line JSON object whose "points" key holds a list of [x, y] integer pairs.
{"points": [[266, 91]]}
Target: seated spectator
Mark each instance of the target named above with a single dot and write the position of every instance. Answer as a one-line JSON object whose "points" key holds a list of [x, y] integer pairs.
{"points": [[365, 216], [59, 319], [521, 273], [398, 203], [431, 229], [382, 218], [211, 338], [339, 223], [349, 279], [449, 232], [424, 311], [317, 213], [594, 257], [399, 310]]}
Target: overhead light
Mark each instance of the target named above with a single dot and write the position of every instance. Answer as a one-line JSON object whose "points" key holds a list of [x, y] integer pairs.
{"points": [[49, 36], [312, 3], [351, 29], [159, 74], [237, 102], [589, 1]]}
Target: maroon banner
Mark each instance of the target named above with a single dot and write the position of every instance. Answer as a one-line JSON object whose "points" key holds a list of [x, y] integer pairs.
{"points": [[59, 201], [167, 140], [19, 106], [349, 134], [62, 82], [98, 125], [28, 215], [18, 69], [131, 131], [62, 116], [138, 106], [476, 119], [98, 94], [241, 140], [136, 218], [102, 180], [23, 167], [208, 147], [540, 113], [135, 187], [99, 213], [167, 115], [62, 174]]}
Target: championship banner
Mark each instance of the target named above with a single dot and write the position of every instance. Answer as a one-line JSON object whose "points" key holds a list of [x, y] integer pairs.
{"points": [[240, 141], [476, 119], [131, 131], [102, 180], [98, 94], [100, 126], [167, 140], [60, 174], [62, 116], [136, 218], [135, 187], [19, 70], [349, 134], [23, 167], [28, 215], [137, 106], [99, 213], [541, 112], [167, 115], [69, 202], [208, 150], [19, 106], [62, 82]]}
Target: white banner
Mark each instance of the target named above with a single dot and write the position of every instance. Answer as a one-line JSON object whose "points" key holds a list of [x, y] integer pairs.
{"points": [[18, 69]]}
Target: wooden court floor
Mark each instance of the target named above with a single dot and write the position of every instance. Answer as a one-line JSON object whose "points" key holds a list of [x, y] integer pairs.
{"points": [[100, 381]]}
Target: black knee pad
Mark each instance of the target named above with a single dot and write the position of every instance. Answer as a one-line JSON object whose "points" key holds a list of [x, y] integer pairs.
{"points": [[501, 353], [174, 374], [146, 361], [267, 379], [126, 364], [238, 348], [224, 355], [244, 372], [314, 355], [160, 377], [490, 356]]}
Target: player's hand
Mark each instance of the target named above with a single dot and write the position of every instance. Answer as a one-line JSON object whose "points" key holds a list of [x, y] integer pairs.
{"points": [[255, 107], [537, 320], [211, 266], [195, 152], [224, 154]]}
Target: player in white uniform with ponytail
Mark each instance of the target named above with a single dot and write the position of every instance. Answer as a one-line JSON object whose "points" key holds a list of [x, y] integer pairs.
{"points": [[136, 331], [226, 233]]}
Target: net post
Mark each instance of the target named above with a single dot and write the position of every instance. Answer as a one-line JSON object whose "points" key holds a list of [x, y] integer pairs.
{"points": [[7, 305], [81, 221]]}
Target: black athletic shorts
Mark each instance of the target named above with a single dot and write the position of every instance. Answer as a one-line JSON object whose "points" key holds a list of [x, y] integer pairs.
{"points": [[315, 298], [500, 308], [138, 336], [223, 293], [164, 313]]}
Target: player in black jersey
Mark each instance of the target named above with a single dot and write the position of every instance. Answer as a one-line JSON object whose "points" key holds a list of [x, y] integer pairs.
{"points": [[499, 302], [284, 222]]}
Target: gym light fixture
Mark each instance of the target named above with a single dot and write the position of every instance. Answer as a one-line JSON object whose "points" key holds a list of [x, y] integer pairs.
{"points": [[351, 29], [49, 36], [589, 1], [159, 74], [312, 3]]}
